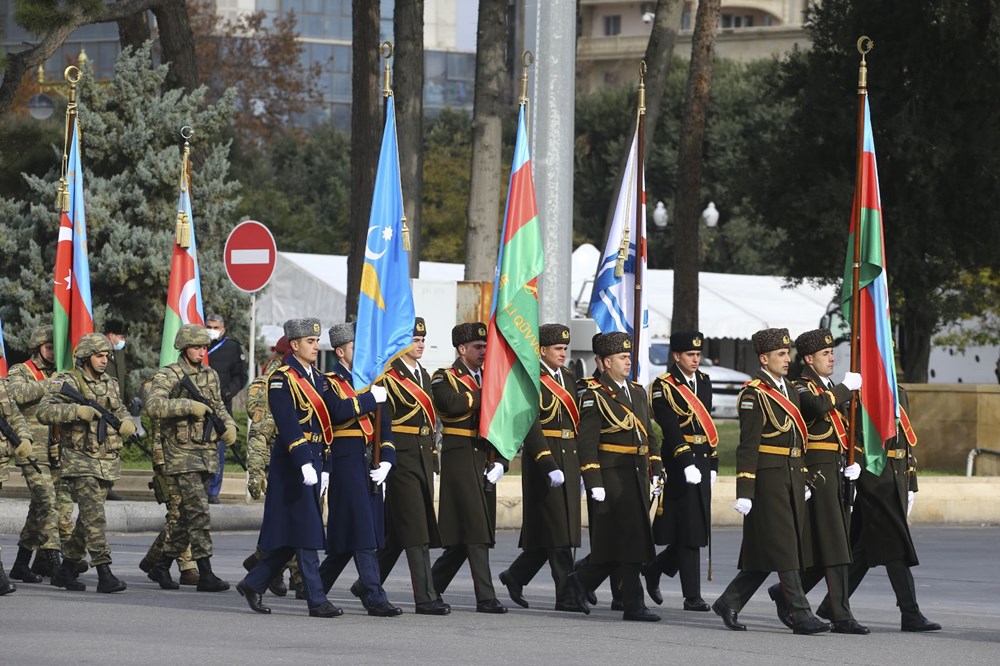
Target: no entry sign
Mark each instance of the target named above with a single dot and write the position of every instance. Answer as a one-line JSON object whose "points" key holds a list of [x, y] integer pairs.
{"points": [[250, 256]]}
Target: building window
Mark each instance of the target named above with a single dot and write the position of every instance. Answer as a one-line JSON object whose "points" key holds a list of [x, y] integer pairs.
{"points": [[736, 21], [686, 20], [612, 25]]}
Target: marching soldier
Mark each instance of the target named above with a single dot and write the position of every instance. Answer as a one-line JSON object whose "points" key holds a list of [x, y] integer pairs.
{"points": [[879, 531], [411, 523], [770, 489], [26, 385], [89, 461], [617, 458], [356, 517], [184, 396], [682, 404], [550, 479], [470, 469], [14, 427], [826, 514]]}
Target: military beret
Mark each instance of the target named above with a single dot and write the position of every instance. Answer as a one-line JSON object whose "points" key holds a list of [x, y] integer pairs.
{"points": [[811, 342], [610, 344], [302, 328], [770, 339], [419, 328], [463, 334], [341, 334], [593, 342], [115, 325], [553, 334], [685, 341], [281, 346]]}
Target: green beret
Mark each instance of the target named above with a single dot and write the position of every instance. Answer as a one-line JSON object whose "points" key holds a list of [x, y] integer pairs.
{"points": [[553, 334], [811, 342], [770, 339]]}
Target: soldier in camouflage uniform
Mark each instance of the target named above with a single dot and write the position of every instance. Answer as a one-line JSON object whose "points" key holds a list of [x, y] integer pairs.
{"points": [[188, 455], [26, 385], [19, 426], [88, 465]]}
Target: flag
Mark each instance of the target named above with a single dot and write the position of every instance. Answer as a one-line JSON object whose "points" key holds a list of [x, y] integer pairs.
{"points": [[879, 396], [72, 310], [385, 304], [612, 303], [184, 304], [511, 382], [3, 353]]}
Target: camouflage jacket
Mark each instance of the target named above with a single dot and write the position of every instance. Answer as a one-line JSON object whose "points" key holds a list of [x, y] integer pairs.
{"points": [[26, 385], [181, 434], [14, 418], [82, 453], [260, 436]]}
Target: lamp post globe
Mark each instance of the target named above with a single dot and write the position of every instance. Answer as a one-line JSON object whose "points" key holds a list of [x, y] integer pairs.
{"points": [[710, 216]]}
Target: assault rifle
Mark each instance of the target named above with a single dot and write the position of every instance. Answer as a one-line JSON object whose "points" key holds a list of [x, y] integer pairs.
{"points": [[15, 441], [212, 420]]}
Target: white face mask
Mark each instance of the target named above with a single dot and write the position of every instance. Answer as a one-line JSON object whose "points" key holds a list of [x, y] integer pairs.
{"points": [[213, 334], [120, 345]]}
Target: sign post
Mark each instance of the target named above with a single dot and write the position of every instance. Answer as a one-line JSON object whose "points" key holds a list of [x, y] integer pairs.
{"points": [[250, 256]]}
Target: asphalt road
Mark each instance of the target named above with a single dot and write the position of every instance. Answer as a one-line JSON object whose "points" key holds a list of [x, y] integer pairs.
{"points": [[39, 624]]}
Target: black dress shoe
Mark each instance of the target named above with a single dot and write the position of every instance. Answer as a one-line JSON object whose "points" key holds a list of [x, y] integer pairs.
{"points": [[436, 607], [824, 612], [490, 606], [728, 615], [385, 609], [617, 605], [917, 622], [581, 597], [784, 612], [253, 598], [113, 496], [358, 590], [514, 589], [213, 499], [325, 609], [812, 625], [850, 627], [696, 604], [641, 615], [590, 595], [571, 607], [651, 572], [277, 585]]}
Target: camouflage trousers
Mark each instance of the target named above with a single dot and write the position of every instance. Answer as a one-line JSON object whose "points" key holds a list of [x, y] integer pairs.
{"points": [[64, 508], [292, 565], [41, 527], [194, 520], [89, 533], [170, 526]]}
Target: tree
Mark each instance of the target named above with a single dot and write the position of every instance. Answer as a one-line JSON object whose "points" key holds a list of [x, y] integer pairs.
{"points": [[446, 185], [408, 84]]}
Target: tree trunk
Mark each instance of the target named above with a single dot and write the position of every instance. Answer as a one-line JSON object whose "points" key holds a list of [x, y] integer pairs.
{"points": [[918, 329], [408, 86], [366, 133], [482, 230], [689, 162], [133, 31], [176, 44]]}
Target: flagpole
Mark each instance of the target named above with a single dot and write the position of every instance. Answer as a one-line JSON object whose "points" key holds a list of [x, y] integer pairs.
{"points": [[864, 45], [640, 231]]}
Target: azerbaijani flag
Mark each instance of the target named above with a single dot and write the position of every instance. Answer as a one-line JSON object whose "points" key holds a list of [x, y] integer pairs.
{"points": [[184, 305], [385, 303], [3, 353], [72, 310], [511, 382], [879, 395]]}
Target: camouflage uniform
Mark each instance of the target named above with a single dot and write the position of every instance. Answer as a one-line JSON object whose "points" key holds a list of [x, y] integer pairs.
{"points": [[9, 411], [26, 384], [188, 456], [88, 465]]}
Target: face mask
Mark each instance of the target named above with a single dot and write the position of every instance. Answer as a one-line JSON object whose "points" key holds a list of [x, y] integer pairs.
{"points": [[213, 334], [120, 345]]}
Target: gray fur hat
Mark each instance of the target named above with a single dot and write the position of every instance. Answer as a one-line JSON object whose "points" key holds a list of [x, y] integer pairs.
{"points": [[302, 328], [341, 334]]}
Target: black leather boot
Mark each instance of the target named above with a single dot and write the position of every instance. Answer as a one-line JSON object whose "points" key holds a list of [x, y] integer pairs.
{"points": [[107, 582], [208, 581], [160, 573], [21, 571], [6, 587], [53, 557], [66, 576], [40, 565]]}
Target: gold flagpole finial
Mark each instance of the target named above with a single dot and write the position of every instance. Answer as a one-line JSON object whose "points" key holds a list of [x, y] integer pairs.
{"points": [[386, 50], [527, 60], [865, 44], [72, 74], [642, 86], [182, 231]]}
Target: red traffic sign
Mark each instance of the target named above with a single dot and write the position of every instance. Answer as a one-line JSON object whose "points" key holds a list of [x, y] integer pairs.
{"points": [[250, 256]]}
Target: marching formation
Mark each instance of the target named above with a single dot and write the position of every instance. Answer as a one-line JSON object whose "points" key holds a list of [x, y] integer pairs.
{"points": [[353, 475]]}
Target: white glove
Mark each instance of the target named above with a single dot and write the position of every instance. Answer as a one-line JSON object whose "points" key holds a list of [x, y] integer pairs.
{"points": [[324, 482], [657, 487], [809, 493], [713, 477], [852, 380], [378, 475], [379, 394], [743, 505], [309, 477], [692, 475], [597, 494], [852, 472], [556, 478], [583, 489], [435, 478], [910, 496], [495, 474]]}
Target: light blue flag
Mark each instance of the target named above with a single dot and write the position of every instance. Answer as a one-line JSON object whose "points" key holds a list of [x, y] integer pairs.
{"points": [[385, 304]]}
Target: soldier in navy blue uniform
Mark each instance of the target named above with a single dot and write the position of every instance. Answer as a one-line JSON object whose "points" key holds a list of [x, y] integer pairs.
{"points": [[304, 407], [356, 518]]}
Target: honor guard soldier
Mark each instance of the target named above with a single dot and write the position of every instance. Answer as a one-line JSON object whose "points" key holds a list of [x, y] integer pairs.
{"points": [[470, 469], [304, 407], [84, 402], [617, 460], [879, 531], [682, 404], [770, 489], [826, 511], [26, 385], [550, 479], [186, 398], [356, 518], [411, 523], [15, 441]]}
